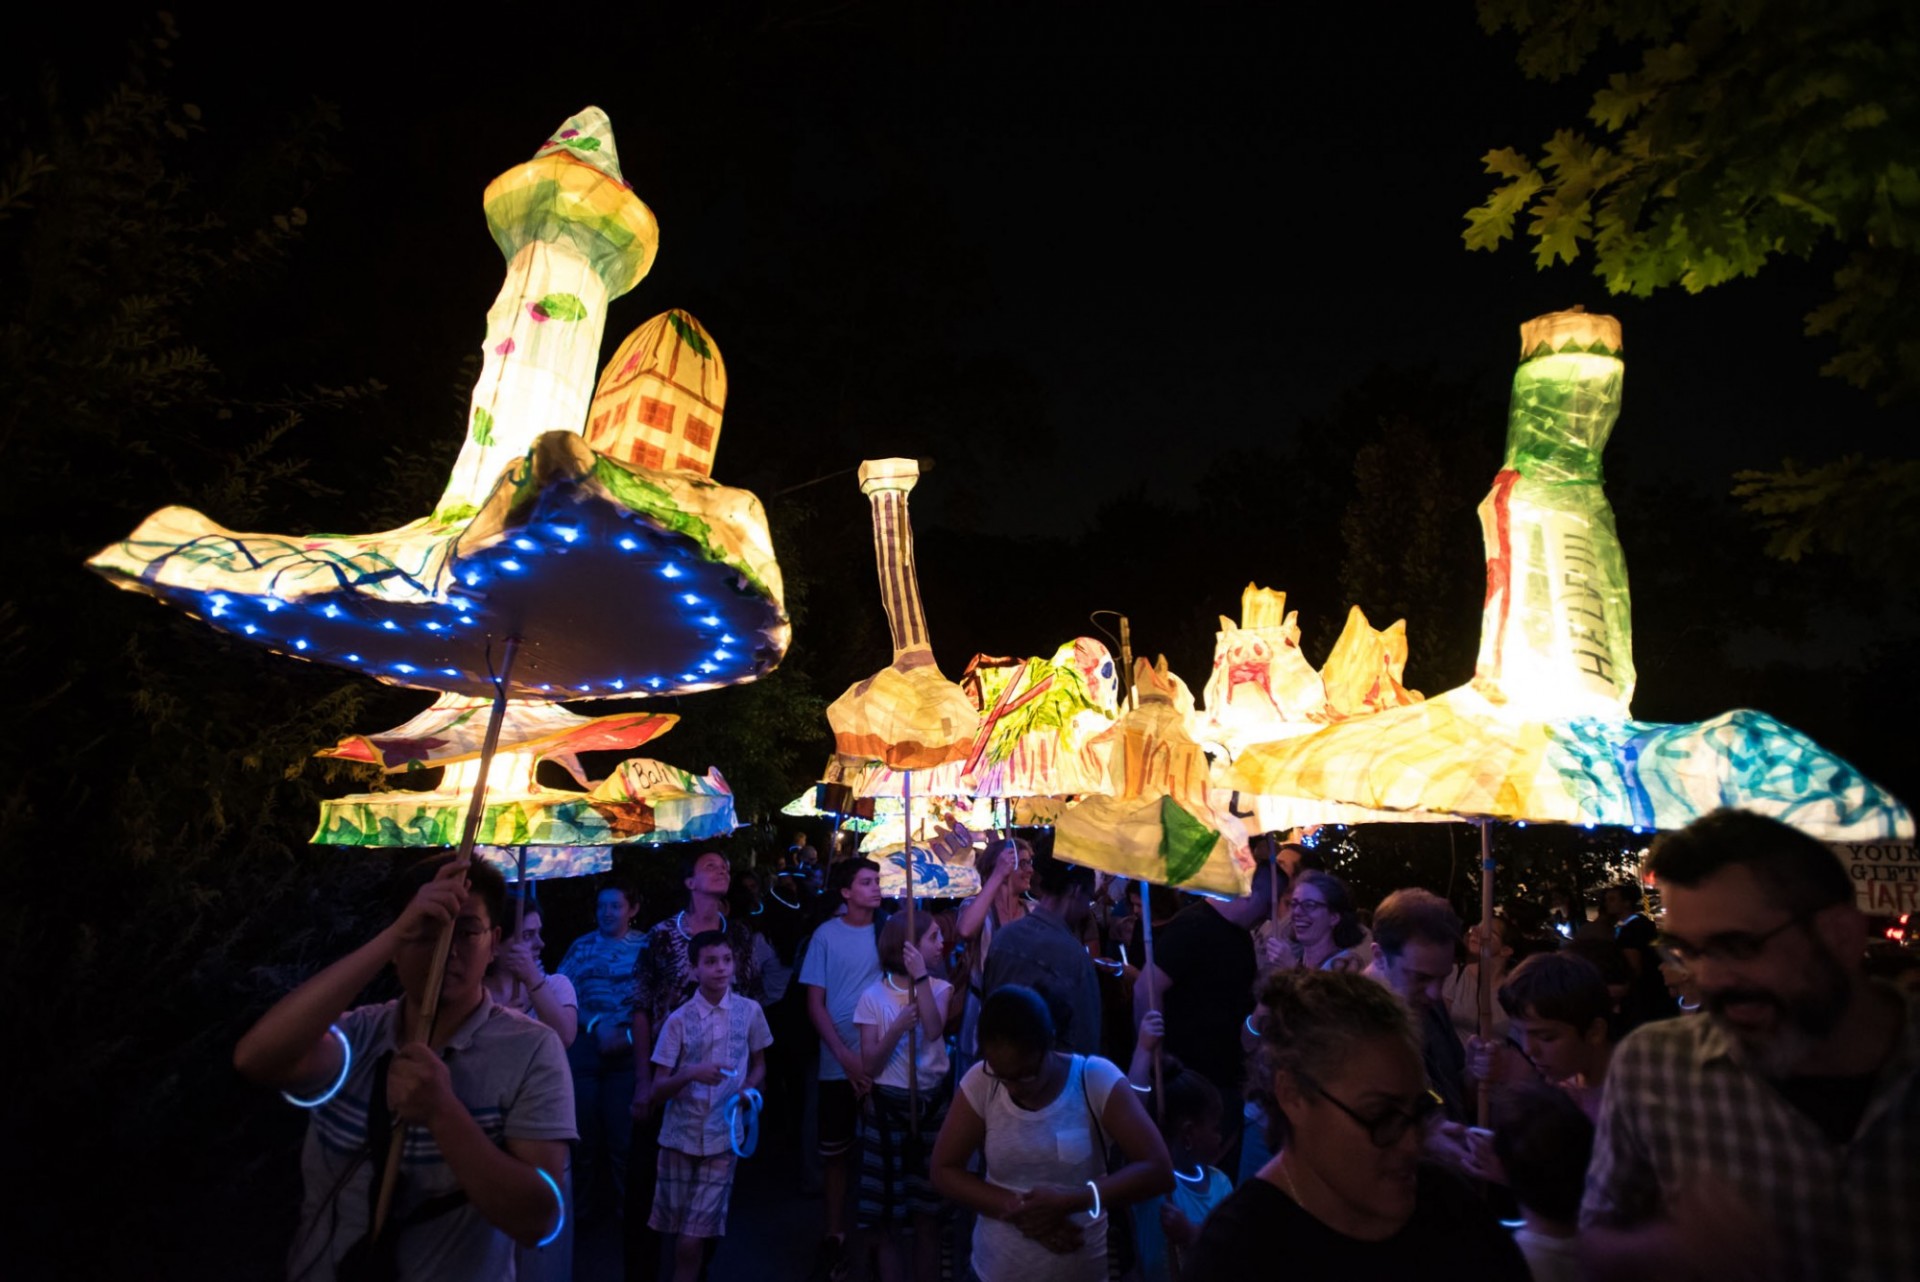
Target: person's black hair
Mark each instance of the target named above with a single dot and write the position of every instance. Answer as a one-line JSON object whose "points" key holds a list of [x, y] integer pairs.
{"points": [[1339, 900], [1188, 1096], [704, 940], [1053, 876], [1545, 1142], [1798, 873], [1630, 893], [627, 892], [1414, 914], [841, 876], [1016, 1017], [482, 878], [1559, 986]]}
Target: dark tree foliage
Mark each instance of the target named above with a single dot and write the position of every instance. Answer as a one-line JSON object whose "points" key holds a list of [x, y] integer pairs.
{"points": [[1748, 131], [158, 783]]}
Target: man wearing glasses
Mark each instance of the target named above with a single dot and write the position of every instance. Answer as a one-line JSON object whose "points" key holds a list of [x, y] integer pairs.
{"points": [[1780, 1134], [1415, 936]]}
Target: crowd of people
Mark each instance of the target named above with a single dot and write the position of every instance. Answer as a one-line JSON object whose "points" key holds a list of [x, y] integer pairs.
{"points": [[1006, 1089]]}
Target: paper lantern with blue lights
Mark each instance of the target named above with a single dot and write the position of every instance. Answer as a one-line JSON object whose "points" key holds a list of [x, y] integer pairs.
{"points": [[1542, 733], [617, 578]]}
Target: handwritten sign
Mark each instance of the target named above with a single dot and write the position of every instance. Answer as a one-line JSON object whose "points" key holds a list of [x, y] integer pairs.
{"points": [[1886, 875]]}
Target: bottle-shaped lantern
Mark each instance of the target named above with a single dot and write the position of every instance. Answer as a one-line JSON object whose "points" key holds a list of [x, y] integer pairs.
{"points": [[907, 715], [1556, 631]]}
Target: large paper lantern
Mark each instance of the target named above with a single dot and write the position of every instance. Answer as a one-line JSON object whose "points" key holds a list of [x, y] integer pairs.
{"points": [[1542, 732], [1037, 718], [1261, 686], [907, 716], [617, 578], [645, 801], [1157, 820]]}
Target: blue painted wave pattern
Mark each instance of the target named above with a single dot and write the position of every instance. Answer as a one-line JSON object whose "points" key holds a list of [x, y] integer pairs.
{"points": [[1651, 775]]}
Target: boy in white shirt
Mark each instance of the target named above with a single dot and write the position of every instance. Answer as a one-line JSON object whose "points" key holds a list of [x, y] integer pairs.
{"points": [[711, 1052]]}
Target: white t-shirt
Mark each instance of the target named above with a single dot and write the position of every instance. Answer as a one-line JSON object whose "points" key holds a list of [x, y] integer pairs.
{"points": [[1058, 1144], [1550, 1259], [522, 997], [879, 1006], [843, 960]]}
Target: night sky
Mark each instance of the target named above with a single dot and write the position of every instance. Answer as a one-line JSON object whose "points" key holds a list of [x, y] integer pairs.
{"points": [[1072, 256]]}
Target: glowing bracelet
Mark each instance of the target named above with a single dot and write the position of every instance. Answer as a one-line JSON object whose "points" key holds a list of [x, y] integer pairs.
{"points": [[560, 1203], [346, 1064], [1199, 1174], [1251, 1030], [1094, 1214], [1144, 1090], [744, 1147]]}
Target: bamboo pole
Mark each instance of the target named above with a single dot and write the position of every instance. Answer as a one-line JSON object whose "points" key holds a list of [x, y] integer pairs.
{"points": [[1485, 994], [913, 995], [437, 973]]}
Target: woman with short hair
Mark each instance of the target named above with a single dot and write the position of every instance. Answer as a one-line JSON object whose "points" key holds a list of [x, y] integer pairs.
{"points": [[1339, 1075]]}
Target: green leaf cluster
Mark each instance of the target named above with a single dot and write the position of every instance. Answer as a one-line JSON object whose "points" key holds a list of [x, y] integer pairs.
{"points": [[1867, 511], [1748, 130]]}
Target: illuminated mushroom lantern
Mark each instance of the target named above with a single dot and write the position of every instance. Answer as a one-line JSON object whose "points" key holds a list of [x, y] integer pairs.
{"points": [[551, 568], [660, 402], [617, 578]]}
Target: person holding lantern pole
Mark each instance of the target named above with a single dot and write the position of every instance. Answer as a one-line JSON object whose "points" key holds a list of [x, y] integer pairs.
{"points": [[486, 1100]]}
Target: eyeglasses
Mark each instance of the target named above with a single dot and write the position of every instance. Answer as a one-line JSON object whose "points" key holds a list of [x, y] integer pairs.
{"points": [[1021, 1079], [1733, 946], [1385, 1130], [1307, 905]]}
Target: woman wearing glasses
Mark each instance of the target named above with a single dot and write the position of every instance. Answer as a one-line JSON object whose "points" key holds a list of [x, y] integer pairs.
{"points": [[1346, 1194], [1326, 935]]}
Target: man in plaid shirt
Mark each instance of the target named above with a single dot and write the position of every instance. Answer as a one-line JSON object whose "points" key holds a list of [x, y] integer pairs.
{"points": [[1777, 1134]]}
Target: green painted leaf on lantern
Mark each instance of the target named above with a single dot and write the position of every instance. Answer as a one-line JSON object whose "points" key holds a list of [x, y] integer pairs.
{"points": [[482, 426], [1185, 842], [690, 336], [562, 307]]}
